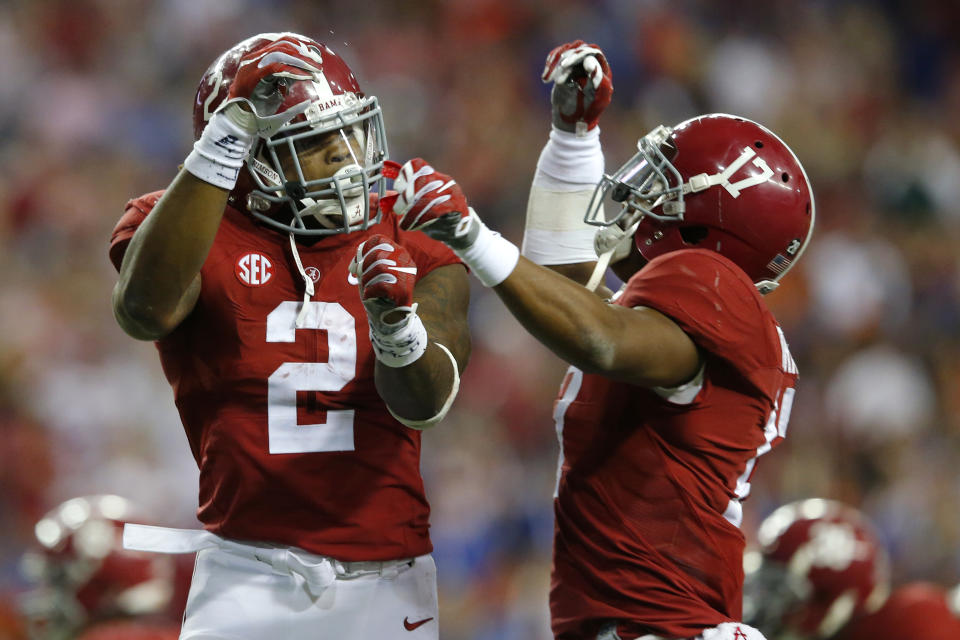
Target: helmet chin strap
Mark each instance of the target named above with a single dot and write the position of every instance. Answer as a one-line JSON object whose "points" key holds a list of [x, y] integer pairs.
{"points": [[309, 290], [611, 244], [766, 286]]}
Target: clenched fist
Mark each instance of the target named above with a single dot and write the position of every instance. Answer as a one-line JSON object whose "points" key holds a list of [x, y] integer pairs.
{"points": [[433, 202], [583, 85], [385, 272], [386, 276]]}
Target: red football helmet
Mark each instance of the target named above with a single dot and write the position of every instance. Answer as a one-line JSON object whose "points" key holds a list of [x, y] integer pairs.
{"points": [[84, 575], [716, 182], [341, 202], [820, 565]]}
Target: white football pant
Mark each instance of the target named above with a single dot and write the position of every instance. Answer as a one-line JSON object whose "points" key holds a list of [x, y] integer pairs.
{"points": [[263, 592]]}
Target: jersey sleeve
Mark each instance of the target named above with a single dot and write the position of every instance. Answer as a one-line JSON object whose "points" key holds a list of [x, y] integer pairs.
{"points": [[427, 253], [133, 216], [713, 302]]}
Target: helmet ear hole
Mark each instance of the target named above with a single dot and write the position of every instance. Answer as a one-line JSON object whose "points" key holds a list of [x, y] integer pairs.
{"points": [[693, 234]]}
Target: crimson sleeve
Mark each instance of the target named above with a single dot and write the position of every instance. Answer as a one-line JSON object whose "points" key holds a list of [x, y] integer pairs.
{"points": [[427, 254], [714, 302], [133, 216]]}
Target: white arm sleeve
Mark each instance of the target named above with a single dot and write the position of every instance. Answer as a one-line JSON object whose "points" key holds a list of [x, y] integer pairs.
{"points": [[567, 173]]}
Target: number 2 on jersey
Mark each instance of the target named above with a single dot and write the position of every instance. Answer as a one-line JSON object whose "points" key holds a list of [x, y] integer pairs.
{"points": [[336, 434]]}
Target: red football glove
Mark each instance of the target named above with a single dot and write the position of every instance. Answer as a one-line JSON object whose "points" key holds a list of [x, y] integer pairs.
{"points": [[386, 273], [434, 203], [583, 85], [266, 66], [261, 83], [386, 277]]}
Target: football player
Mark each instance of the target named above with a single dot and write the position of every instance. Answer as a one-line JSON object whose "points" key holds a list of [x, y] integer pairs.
{"points": [[678, 384], [88, 586], [821, 573], [308, 341]]}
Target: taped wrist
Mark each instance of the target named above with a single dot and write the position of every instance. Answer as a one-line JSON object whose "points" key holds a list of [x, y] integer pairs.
{"points": [[555, 232], [491, 257], [397, 344], [567, 173], [218, 155]]}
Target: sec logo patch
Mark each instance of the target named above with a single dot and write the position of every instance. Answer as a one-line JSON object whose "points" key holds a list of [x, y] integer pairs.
{"points": [[254, 269]]}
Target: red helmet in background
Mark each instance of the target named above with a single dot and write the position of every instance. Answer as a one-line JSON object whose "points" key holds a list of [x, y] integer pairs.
{"points": [[287, 199], [84, 575], [717, 182], [820, 565]]}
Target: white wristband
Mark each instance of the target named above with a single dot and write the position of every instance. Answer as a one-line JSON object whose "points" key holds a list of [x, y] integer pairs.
{"points": [[491, 257], [574, 163], [218, 155], [397, 344]]}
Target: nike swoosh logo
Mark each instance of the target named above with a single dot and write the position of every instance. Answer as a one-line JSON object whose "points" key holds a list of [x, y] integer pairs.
{"points": [[410, 626]]}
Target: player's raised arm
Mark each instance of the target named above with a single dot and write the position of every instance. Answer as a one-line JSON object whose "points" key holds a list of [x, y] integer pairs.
{"points": [[160, 276], [636, 345], [418, 330], [571, 163]]}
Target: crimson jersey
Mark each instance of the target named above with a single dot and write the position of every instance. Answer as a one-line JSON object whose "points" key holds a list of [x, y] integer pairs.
{"points": [[131, 630], [915, 610], [294, 444], [649, 489]]}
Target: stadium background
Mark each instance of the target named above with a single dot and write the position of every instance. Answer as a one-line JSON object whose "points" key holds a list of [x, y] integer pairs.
{"points": [[95, 107]]}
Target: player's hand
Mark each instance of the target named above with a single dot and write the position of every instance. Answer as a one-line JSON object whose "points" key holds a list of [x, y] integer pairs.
{"points": [[261, 84], [582, 85], [386, 275], [432, 202]]}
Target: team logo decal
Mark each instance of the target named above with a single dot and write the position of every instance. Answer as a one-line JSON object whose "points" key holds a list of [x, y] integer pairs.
{"points": [[254, 269], [313, 273]]}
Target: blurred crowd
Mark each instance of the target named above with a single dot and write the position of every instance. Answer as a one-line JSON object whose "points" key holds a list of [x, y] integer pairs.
{"points": [[95, 107]]}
